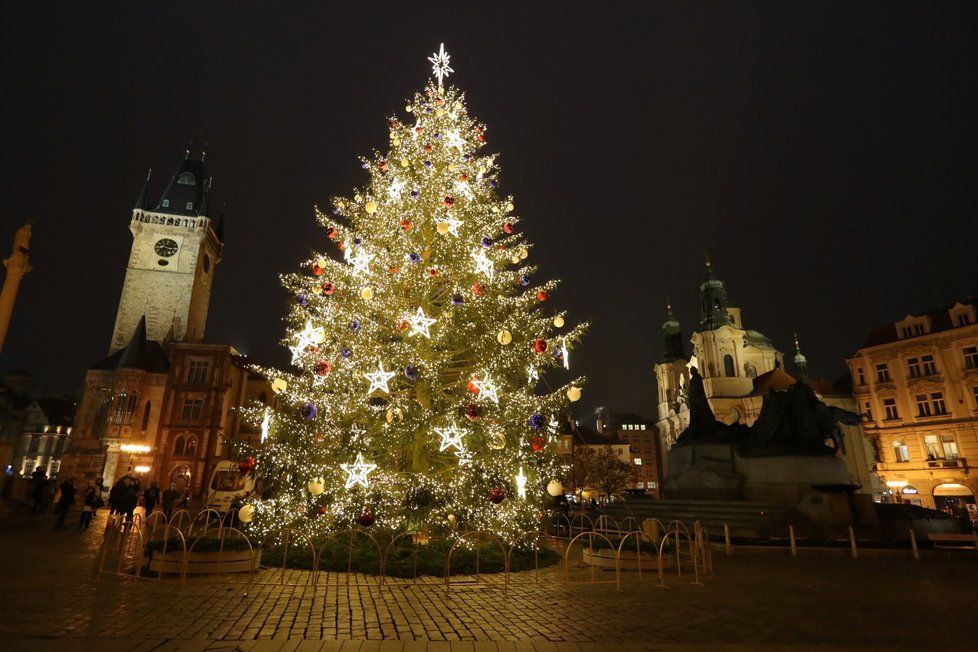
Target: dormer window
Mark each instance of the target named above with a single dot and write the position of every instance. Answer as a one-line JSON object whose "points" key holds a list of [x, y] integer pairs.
{"points": [[190, 205], [187, 179], [166, 203], [962, 315], [912, 327]]}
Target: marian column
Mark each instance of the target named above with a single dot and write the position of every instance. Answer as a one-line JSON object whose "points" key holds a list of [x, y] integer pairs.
{"points": [[17, 265]]}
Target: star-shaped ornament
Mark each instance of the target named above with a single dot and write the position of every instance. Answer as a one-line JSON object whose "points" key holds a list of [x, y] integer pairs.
{"points": [[420, 324], [395, 189], [451, 437], [452, 225], [357, 473], [361, 262], [308, 336], [487, 389], [454, 139], [463, 188], [521, 483], [482, 264], [379, 379], [440, 68], [533, 375]]}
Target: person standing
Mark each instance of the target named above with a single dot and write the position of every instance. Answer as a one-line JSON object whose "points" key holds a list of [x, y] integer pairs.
{"points": [[151, 496], [130, 497], [39, 481], [169, 498], [65, 502], [115, 495], [89, 505]]}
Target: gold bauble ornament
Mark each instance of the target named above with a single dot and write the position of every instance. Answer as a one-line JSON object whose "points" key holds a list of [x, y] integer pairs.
{"points": [[395, 142], [409, 108], [316, 486], [404, 162], [320, 262], [504, 337], [317, 289], [555, 488], [559, 321], [509, 206], [279, 385], [497, 440], [246, 513], [393, 135], [442, 228], [574, 394], [452, 166], [367, 294], [370, 207], [439, 112], [523, 254], [515, 258]]}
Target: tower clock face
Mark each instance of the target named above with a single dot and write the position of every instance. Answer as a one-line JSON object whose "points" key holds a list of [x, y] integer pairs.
{"points": [[165, 247]]}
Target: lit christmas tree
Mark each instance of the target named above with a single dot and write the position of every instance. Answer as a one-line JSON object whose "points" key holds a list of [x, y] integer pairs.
{"points": [[423, 343]]}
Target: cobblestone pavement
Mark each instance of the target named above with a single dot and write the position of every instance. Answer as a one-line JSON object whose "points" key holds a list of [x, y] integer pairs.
{"points": [[51, 591]]}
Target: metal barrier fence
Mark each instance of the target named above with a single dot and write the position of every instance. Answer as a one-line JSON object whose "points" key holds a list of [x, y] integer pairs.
{"points": [[207, 544]]}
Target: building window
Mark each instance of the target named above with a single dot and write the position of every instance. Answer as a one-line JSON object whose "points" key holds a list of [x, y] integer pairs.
{"points": [[963, 319], [974, 391], [166, 203], [146, 413], [187, 179], [890, 408], [949, 446], [913, 365], [191, 448], [882, 373], [860, 377], [179, 445], [923, 406], [971, 357], [192, 409], [197, 373], [190, 205], [728, 366], [937, 400], [868, 411], [929, 367], [900, 451], [932, 447], [638, 461]]}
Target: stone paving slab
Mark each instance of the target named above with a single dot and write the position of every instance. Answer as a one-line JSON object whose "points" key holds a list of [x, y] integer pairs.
{"points": [[52, 598]]}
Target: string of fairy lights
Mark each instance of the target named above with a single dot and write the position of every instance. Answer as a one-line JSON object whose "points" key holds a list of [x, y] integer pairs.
{"points": [[423, 339]]}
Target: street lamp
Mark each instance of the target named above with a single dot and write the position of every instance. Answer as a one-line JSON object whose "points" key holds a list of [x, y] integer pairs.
{"points": [[133, 449], [142, 469]]}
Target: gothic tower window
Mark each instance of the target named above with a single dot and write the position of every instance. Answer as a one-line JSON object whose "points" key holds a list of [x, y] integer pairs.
{"points": [[146, 412], [179, 445]]}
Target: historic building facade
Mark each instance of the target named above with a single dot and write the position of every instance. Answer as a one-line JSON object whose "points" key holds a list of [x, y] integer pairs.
{"points": [[163, 403], [739, 366], [917, 381]]}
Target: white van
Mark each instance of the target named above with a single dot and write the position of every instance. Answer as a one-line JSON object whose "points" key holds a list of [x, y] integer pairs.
{"points": [[226, 483]]}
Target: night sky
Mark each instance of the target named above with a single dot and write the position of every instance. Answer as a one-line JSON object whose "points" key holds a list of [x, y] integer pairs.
{"points": [[824, 153]]}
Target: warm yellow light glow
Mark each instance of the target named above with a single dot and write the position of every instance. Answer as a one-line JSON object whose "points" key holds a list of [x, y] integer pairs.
{"points": [[142, 468], [132, 449]]}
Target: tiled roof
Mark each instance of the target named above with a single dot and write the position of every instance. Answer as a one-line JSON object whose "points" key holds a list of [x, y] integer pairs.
{"points": [[940, 320]]}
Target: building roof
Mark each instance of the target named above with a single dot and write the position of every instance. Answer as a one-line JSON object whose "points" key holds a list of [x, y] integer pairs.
{"points": [[776, 379], [587, 437], [940, 320], [140, 353], [188, 191]]}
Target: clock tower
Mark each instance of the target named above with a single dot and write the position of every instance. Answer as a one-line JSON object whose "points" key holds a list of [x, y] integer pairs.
{"points": [[175, 248]]}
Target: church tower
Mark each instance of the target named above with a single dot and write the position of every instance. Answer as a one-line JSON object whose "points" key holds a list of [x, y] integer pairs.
{"points": [[175, 247]]}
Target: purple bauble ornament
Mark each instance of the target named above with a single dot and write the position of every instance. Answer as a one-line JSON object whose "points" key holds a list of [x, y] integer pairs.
{"points": [[524, 280], [347, 353], [355, 325], [302, 300], [492, 184], [537, 421], [414, 193], [357, 241], [457, 299], [437, 136], [411, 371], [487, 242], [414, 257], [309, 410], [427, 164]]}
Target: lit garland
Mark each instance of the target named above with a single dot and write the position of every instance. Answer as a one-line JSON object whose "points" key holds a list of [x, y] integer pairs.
{"points": [[427, 242]]}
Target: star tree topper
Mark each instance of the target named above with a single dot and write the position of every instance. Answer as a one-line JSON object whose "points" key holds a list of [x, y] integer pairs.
{"points": [[357, 473], [440, 60]]}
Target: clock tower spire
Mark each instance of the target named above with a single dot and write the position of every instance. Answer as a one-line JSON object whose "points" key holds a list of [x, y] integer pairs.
{"points": [[171, 265]]}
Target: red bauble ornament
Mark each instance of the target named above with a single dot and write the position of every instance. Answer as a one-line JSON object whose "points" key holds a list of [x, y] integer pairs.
{"points": [[323, 367], [471, 386], [247, 465], [332, 233], [481, 138], [366, 519], [438, 101], [383, 166], [540, 346], [478, 289], [508, 228], [322, 510], [417, 130], [449, 201], [433, 272], [406, 224], [427, 148], [537, 443], [497, 495], [394, 270], [342, 246], [471, 412], [328, 288], [541, 295], [403, 325], [393, 123], [463, 177], [317, 270]]}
